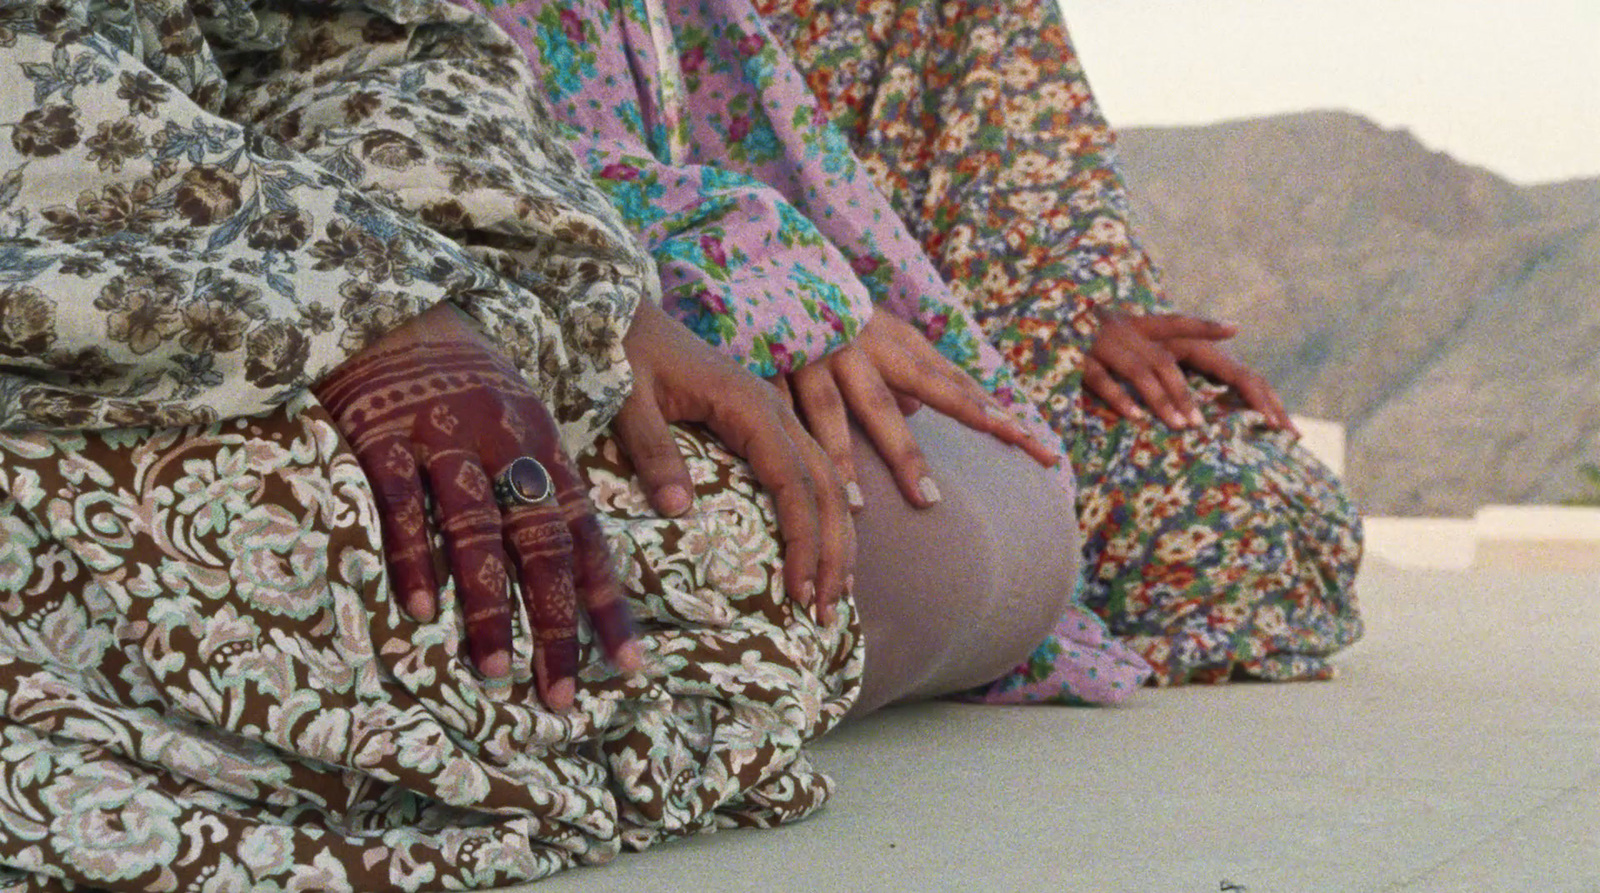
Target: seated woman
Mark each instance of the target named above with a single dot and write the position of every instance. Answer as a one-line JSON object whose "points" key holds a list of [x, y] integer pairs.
{"points": [[1213, 544], [774, 245]]}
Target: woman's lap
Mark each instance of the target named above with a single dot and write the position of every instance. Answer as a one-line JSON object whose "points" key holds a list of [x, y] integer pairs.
{"points": [[1220, 550], [197, 619]]}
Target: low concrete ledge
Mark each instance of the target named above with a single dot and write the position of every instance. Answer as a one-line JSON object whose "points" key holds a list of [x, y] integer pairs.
{"points": [[1323, 439], [1423, 543], [1520, 537], [1539, 537], [1539, 522]]}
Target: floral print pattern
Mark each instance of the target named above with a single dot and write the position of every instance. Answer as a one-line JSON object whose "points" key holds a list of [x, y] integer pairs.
{"points": [[205, 677], [205, 215], [204, 681], [1219, 551], [772, 241]]}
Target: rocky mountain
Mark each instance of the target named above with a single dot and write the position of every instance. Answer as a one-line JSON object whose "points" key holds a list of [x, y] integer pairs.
{"points": [[1450, 318]]}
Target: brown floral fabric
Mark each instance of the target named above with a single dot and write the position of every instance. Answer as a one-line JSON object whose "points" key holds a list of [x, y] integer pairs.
{"points": [[204, 208], [205, 684]]}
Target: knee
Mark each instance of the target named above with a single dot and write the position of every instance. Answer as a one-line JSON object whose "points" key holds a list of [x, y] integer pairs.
{"points": [[956, 595], [1023, 524]]}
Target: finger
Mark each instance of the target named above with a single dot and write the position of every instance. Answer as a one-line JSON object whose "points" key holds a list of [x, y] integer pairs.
{"points": [[762, 429], [1104, 385], [648, 442], [1013, 431], [781, 382], [1138, 368], [947, 388], [1260, 396], [1166, 369], [1164, 326], [593, 574], [1207, 359], [563, 573], [1037, 449], [538, 536], [836, 552], [391, 469], [470, 520], [599, 592], [874, 408], [826, 417]]}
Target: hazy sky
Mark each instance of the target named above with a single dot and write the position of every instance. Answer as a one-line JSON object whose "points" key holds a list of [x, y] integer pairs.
{"points": [[1512, 85]]}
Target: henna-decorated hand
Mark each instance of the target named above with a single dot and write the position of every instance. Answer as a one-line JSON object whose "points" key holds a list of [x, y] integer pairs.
{"points": [[435, 399], [885, 374]]}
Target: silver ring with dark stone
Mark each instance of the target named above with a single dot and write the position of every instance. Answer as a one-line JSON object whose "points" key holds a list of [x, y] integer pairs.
{"points": [[523, 482]]}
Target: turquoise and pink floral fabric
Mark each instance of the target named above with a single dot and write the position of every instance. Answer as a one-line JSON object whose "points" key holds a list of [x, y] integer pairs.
{"points": [[995, 220]]}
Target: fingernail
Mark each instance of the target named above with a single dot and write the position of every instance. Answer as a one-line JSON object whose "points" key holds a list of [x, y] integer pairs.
{"points": [[852, 495], [808, 593], [850, 584], [1138, 413], [496, 665], [419, 604], [825, 614], [629, 657], [562, 692], [929, 490], [1195, 418], [673, 500]]}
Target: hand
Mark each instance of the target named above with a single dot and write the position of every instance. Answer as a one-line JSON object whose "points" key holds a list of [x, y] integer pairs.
{"points": [[889, 371], [1206, 358], [678, 377], [1147, 353], [437, 392]]}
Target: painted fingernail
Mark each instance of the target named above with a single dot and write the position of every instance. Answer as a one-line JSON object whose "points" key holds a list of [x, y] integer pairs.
{"points": [[561, 694], [419, 604], [629, 657], [852, 495], [929, 490], [496, 665], [673, 500]]}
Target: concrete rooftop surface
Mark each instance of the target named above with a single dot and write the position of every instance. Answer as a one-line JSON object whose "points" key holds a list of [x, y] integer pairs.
{"points": [[1459, 750]]}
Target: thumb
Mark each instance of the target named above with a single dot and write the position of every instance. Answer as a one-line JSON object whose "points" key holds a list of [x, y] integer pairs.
{"points": [[647, 440]]}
